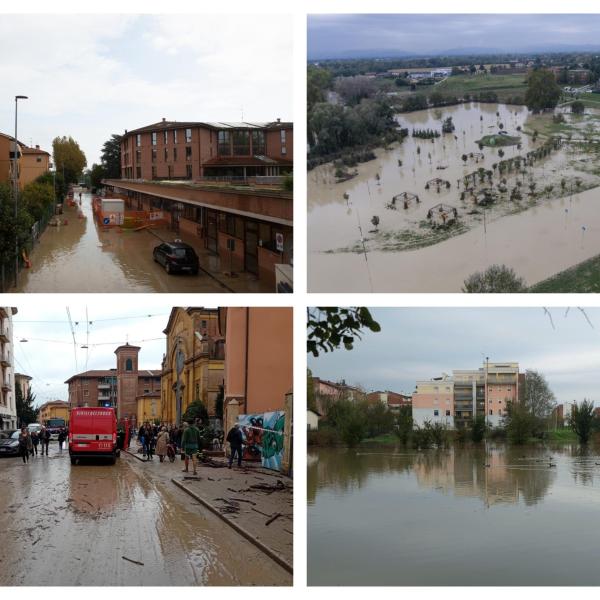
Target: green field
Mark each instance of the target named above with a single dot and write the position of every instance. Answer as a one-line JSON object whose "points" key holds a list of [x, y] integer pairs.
{"points": [[582, 278], [506, 86]]}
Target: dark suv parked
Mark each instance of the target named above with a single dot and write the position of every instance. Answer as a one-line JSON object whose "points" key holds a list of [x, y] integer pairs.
{"points": [[176, 257]]}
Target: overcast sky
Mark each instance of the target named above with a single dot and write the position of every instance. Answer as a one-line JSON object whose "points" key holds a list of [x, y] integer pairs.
{"points": [[94, 75], [48, 355], [333, 35], [419, 344]]}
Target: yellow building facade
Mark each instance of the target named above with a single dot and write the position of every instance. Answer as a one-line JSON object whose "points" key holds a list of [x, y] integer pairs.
{"points": [[55, 409], [31, 163], [149, 408], [193, 364]]}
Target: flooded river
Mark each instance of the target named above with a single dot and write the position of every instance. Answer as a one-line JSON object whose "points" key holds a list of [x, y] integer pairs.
{"points": [[73, 525], [81, 257], [538, 237], [385, 516]]}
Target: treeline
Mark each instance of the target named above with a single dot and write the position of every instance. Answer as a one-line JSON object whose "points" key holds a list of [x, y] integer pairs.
{"points": [[359, 66], [333, 128]]}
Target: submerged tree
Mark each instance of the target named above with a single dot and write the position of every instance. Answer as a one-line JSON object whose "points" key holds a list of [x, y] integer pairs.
{"points": [[582, 420], [404, 424], [495, 279]]}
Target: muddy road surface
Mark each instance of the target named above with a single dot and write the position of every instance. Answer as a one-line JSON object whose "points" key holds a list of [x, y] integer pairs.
{"points": [[82, 257], [73, 525]]}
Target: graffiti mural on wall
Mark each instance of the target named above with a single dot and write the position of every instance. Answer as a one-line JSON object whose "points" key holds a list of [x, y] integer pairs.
{"points": [[263, 438]]}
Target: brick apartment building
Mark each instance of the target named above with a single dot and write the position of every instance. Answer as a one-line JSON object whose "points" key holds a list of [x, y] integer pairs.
{"points": [[225, 188], [120, 387], [456, 400], [193, 150]]}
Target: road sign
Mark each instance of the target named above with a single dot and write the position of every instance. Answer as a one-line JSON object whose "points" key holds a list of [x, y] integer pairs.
{"points": [[106, 221]]}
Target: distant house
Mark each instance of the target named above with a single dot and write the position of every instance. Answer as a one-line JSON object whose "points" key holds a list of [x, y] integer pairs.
{"points": [[328, 392], [392, 400], [312, 420]]}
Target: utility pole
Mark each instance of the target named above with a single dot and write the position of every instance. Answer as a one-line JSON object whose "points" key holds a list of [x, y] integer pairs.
{"points": [[16, 190]]}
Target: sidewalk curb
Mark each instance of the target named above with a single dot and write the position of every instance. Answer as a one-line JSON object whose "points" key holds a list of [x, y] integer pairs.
{"points": [[270, 553], [134, 456]]}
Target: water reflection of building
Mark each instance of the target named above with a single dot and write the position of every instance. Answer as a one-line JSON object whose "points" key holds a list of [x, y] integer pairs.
{"points": [[454, 401], [464, 473]]}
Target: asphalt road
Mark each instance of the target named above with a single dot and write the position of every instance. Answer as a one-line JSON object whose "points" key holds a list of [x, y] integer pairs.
{"points": [[73, 525]]}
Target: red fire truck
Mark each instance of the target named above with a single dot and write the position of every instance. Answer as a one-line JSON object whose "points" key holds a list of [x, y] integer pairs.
{"points": [[93, 434]]}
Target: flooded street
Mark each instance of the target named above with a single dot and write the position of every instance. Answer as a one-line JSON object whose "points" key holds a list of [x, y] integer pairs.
{"points": [[539, 235], [496, 515], [73, 525], [81, 257]]}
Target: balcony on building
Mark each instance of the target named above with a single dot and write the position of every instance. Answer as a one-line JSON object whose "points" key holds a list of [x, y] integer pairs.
{"points": [[4, 335], [6, 387]]}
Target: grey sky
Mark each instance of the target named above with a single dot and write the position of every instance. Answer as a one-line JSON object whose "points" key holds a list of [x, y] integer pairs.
{"points": [[90, 76], [423, 343], [48, 356], [333, 35]]}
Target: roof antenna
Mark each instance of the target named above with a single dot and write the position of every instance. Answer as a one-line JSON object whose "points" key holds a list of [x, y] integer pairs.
{"points": [[242, 114]]}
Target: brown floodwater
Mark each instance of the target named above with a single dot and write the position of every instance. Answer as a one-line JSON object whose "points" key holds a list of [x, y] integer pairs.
{"points": [[495, 515], [81, 257], [72, 525], [536, 240]]}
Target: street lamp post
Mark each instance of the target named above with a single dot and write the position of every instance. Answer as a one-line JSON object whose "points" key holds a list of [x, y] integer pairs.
{"points": [[16, 190]]}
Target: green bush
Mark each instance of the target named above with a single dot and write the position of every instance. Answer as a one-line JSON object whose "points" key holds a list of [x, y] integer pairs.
{"points": [[326, 436]]}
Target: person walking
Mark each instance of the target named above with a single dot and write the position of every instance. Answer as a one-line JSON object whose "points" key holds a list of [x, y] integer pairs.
{"points": [[35, 440], [45, 440], [25, 444], [61, 439], [236, 441], [190, 443], [162, 441], [150, 442]]}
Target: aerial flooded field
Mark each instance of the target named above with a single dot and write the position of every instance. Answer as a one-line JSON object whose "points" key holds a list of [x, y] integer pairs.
{"points": [[503, 187]]}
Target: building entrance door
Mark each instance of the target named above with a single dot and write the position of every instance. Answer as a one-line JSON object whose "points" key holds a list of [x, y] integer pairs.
{"points": [[251, 247], [211, 231]]}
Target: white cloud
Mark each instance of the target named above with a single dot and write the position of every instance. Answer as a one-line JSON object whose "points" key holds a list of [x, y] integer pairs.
{"points": [[91, 76]]}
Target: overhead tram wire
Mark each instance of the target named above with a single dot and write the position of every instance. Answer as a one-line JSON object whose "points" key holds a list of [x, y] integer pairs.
{"points": [[151, 316], [74, 340]]}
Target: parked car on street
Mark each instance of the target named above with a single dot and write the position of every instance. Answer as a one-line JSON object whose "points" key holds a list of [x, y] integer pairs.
{"points": [[176, 257], [9, 442]]}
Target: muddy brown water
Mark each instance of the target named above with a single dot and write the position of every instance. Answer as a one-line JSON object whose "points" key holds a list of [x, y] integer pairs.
{"points": [[82, 257], [537, 242], [71, 525], [389, 516]]}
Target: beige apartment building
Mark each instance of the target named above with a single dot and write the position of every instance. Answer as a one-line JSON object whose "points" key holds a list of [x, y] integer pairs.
{"points": [[456, 400]]}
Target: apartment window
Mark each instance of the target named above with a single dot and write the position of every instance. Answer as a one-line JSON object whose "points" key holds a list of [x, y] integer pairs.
{"points": [[138, 156], [188, 135], [165, 136], [146, 391], [283, 148], [258, 143], [241, 143], [188, 153], [491, 412], [188, 171], [175, 154], [170, 171], [153, 154], [153, 172], [138, 139], [174, 136], [436, 413], [166, 154], [447, 413], [86, 392], [154, 138], [224, 144]]}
